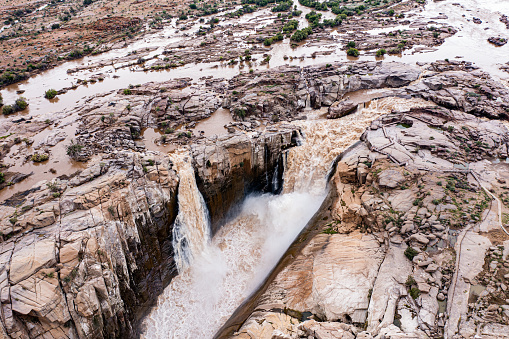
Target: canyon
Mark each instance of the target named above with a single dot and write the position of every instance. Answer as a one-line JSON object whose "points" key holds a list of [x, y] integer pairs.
{"points": [[202, 178]]}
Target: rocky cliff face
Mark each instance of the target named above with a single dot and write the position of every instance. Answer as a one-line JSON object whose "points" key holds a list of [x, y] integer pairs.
{"points": [[229, 167], [82, 256], [413, 244]]}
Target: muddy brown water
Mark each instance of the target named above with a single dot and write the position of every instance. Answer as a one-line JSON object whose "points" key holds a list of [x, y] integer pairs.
{"points": [[57, 164], [214, 125], [470, 43]]}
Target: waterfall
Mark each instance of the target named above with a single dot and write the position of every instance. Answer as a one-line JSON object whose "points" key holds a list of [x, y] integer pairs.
{"points": [[191, 230], [275, 179], [307, 166], [229, 267]]}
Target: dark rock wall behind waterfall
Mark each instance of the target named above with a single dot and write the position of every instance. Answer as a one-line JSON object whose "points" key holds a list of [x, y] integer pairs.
{"points": [[231, 166]]}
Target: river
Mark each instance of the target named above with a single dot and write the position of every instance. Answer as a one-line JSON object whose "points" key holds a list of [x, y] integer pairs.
{"points": [[217, 274]]}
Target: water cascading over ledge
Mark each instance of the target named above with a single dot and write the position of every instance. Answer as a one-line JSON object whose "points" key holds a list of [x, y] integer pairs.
{"points": [[232, 264], [191, 229]]}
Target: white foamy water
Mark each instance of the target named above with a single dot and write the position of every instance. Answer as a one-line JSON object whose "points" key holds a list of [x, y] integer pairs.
{"points": [[234, 263]]}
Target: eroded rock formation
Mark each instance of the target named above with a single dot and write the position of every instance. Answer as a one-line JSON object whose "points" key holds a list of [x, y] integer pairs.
{"points": [[407, 242]]}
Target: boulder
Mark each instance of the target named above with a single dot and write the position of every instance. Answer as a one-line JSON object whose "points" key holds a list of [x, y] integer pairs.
{"points": [[341, 109]]}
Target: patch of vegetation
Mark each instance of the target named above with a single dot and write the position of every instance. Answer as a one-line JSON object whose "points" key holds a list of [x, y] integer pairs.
{"points": [[354, 52], [410, 253], [74, 149], [20, 104], [414, 292], [290, 26], [330, 230], [277, 37], [301, 34], [50, 93], [283, 6], [36, 157], [7, 109], [319, 6]]}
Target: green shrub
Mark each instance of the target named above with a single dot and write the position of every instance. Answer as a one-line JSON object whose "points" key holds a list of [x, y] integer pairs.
{"points": [[352, 52], [20, 104], [350, 44], [127, 91], [410, 253], [415, 293], [7, 109], [36, 157], [381, 52], [73, 149], [50, 93], [410, 281], [77, 53], [330, 230], [2, 178], [301, 34]]}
